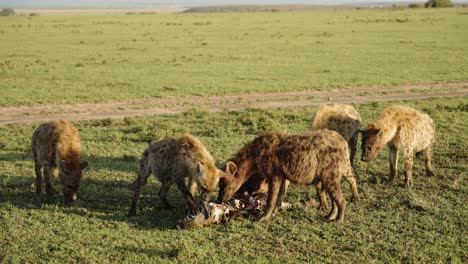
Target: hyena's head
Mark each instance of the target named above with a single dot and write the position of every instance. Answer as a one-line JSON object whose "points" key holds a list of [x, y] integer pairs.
{"points": [[207, 178], [70, 175], [371, 143], [230, 183]]}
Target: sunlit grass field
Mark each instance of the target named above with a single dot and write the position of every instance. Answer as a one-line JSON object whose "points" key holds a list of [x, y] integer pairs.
{"points": [[425, 224], [47, 60]]}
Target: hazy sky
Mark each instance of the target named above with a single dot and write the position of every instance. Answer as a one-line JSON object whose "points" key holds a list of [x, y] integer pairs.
{"points": [[156, 3]]}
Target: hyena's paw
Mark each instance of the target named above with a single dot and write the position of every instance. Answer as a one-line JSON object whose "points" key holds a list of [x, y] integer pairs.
{"points": [[388, 181], [430, 173], [355, 199], [322, 207], [408, 183], [264, 218]]}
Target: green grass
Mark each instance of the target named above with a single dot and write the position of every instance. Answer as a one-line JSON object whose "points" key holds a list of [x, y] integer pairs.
{"points": [[426, 224], [103, 58]]}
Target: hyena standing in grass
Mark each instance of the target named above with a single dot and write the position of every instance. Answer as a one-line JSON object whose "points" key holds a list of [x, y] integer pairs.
{"points": [[171, 161], [319, 157], [56, 145], [341, 118], [345, 120], [400, 128]]}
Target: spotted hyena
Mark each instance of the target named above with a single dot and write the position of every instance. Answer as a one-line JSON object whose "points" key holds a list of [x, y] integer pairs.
{"points": [[341, 118], [320, 157], [400, 128], [56, 145], [171, 161]]}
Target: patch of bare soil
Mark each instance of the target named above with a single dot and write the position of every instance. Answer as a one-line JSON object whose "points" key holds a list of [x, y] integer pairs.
{"points": [[155, 106]]}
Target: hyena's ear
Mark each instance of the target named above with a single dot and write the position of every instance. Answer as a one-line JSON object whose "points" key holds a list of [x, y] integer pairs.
{"points": [[83, 165], [374, 131], [199, 168], [231, 168]]}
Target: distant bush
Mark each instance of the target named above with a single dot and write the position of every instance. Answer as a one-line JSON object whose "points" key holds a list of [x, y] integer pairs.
{"points": [[416, 5], [33, 14], [438, 3], [7, 12], [397, 7]]}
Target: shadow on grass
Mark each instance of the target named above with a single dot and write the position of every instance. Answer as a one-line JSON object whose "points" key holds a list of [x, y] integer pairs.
{"points": [[15, 156], [125, 163], [106, 200], [166, 254]]}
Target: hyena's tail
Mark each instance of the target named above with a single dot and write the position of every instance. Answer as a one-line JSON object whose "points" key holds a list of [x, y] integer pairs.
{"points": [[349, 174]]}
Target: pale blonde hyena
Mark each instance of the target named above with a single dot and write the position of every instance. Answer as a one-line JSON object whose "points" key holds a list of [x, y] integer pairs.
{"points": [[171, 161], [341, 118], [319, 157], [56, 145], [400, 128]]}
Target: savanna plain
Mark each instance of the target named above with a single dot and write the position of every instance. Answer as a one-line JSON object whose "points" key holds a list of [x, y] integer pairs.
{"points": [[86, 59]]}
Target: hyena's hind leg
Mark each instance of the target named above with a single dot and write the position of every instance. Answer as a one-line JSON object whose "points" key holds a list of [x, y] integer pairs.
{"points": [[338, 202], [142, 179], [322, 196], [428, 155]]}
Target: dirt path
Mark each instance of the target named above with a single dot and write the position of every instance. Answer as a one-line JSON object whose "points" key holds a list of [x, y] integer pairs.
{"points": [[154, 106]]}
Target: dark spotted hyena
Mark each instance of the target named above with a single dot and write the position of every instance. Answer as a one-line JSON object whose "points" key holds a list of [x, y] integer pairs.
{"points": [[400, 128], [171, 161], [56, 146], [319, 157]]}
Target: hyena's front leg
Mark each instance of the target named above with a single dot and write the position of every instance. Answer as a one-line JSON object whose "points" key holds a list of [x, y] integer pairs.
{"points": [[49, 181], [38, 171], [393, 160], [409, 167], [192, 206], [282, 192], [163, 194], [193, 185], [353, 141], [142, 179], [274, 186]]}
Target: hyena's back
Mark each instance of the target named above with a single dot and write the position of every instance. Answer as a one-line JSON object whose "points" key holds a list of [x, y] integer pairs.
{"points": [[341, 118], [176, 157], [55, 141]]}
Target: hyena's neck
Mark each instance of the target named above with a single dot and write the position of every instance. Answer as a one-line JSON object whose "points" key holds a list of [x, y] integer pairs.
{"points": [[389, 134]]}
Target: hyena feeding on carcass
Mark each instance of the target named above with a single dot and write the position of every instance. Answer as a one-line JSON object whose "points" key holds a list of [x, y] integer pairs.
{"points": [[320, 157], [171, 161], [56, 145], [400, 128]]}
